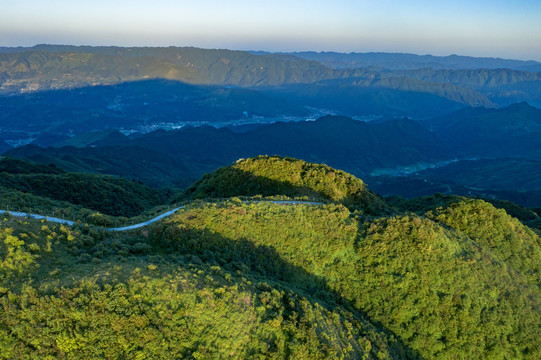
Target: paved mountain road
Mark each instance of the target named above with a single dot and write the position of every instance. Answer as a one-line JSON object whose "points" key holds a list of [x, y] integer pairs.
{"points": [[145, 223]]}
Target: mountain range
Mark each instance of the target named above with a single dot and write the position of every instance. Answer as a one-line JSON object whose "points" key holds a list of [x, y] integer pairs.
{"points": [[346, 143], [46, 67], [405, 61], [467, 139], [304, 205]]}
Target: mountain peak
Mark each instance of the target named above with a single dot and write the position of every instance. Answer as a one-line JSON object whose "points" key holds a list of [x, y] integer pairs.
{"points": [[275, 175]]}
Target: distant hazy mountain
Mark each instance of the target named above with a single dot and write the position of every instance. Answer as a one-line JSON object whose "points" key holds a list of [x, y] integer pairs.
{"points": [[387, 96], [414, 91], [50, 66], [497, 174], [148, 104], [402, 61], [502, 86], [478, 79], [511, 131], [337, 141]]}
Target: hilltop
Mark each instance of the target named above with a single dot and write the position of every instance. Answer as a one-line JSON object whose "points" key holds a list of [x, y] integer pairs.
{"points": [[456, 278], [274, 175]]}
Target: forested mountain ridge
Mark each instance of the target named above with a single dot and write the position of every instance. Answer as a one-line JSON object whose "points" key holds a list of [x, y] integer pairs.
{"points": [[271, 176], [369, 150], [196, 150], [153, 167], [405, 61], [457, 279], [514, 131], [104, 193], [480, 79], [31, 71], [61, 67]]}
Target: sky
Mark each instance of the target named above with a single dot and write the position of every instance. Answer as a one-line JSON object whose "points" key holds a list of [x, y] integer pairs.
{"points": [[495, 28]]}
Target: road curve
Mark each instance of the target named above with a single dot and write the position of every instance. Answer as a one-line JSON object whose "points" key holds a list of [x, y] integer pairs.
{"points": [[145, 223], [39, 217], [159, 217]]}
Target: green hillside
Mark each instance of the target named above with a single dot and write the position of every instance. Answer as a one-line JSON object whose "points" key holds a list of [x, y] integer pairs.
{"points": [[274, 175], [104, 193], [441, 283], [439, 278], [18, 166], [77, 294]]}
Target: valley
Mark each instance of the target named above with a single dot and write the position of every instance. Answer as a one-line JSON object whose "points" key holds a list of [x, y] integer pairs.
{"points": [[412, 169], [182, 202]]}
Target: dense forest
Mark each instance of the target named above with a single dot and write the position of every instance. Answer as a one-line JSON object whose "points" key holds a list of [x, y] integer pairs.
{"points": [[104, 193], [357, 276], [274, 175]]}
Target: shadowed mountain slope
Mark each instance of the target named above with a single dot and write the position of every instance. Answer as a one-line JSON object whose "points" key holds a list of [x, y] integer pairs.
{"points": [[108, 194], [269, 176], [341, 142], [511, 131]]}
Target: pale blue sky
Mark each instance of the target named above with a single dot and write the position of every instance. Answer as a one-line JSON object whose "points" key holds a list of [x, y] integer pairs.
{"points": [[497, 28]]}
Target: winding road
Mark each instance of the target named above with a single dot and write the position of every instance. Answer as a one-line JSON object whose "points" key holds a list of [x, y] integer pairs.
{"points": [[146, 223]]}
